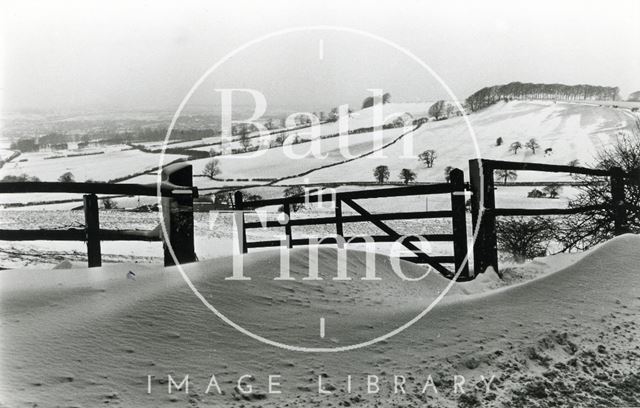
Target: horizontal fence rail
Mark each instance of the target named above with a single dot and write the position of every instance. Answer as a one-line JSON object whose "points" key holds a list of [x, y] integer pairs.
{"points": [[547, 168], [351, 218], [177, 193], [352, 239], [546, 211], [43, 235], [150, 190], [76, 234], [439, 188]]}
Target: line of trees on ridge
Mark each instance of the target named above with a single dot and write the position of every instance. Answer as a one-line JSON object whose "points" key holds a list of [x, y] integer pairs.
{"points": [[519, 90]]}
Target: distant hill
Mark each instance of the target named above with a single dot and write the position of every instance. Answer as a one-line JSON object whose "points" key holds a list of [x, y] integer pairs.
{"points": [[571, 130], [634, 97]]}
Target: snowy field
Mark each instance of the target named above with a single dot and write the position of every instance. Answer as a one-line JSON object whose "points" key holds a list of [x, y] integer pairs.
{"points": [[295, 159], [572, 131], [362, 119], [92, 337], [111, 164]]}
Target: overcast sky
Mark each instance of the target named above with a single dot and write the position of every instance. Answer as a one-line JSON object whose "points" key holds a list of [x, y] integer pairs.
{"points": [[147, 54]]}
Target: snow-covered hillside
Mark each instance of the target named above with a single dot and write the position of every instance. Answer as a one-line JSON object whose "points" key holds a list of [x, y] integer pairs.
{"points": [[572, 131], [295, 159], [102, 165]]}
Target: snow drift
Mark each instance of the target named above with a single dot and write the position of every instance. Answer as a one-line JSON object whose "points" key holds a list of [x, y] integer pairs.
{"points": [[83, 337]]}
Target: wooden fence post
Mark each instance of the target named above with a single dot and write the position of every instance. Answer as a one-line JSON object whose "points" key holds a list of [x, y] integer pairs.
{"points": [[239, 219], [459, 224], [92, 229], [178, 216], [618, 200], [286, 208], [485, 247], [339, 225]]}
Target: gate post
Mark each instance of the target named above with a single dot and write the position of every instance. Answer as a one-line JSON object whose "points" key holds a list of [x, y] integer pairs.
{"points": [[286, 209], [338, 208], [238, 206], [459, 224], [177, 212], [92, 229], [485, 246], [618, 200]]}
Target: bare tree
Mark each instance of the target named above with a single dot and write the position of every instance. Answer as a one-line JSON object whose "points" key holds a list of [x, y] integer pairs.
{"points": [[269, 124], [294, 191], [407, 176], [20, 178], [367, 102], [532, 144], [535, 193], [279, 140], [584, 230], [553, 190], [109, 204], [506, 175], [67, 178], [450, 110], [438, 110], [514, 147], [428, 157], [211, 169], [381, 173]]}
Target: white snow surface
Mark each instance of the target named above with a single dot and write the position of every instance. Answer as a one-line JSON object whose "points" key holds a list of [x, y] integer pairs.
{"points": [[85, 337], [101, 167], [572, 131]]}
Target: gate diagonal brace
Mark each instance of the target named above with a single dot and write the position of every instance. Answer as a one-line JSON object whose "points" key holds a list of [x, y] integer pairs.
{"points": [[391, 232]]}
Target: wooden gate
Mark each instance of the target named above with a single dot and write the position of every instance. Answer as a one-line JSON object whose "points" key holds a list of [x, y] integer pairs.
{"points": [[455, 188]]}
